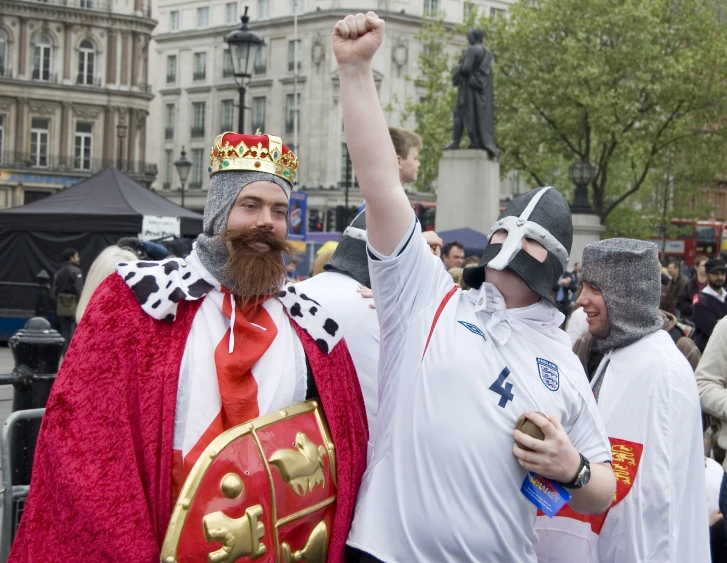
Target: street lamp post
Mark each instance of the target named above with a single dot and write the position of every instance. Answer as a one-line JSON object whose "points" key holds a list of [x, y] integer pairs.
{"points": [[244, 48], [183, 167], [581, 174], [121, 129]]}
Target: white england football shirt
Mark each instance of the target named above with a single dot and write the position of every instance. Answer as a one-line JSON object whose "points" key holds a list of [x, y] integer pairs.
{"points": [[443, 484]]}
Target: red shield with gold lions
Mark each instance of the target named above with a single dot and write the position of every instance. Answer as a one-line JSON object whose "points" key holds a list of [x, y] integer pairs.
{"points": [[263, 491]]}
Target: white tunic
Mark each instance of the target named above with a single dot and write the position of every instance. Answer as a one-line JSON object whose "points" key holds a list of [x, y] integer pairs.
{"points": [[648, 397], [443, 484]]}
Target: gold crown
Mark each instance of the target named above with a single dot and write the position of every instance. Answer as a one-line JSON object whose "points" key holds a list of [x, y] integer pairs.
{"points": [[256, 153]]}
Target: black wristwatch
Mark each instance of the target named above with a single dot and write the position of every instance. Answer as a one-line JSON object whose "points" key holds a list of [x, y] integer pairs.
{"points": [[582, 477]]}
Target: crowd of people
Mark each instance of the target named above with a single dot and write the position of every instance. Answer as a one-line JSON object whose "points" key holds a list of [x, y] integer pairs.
{"points": [[459, 423]]}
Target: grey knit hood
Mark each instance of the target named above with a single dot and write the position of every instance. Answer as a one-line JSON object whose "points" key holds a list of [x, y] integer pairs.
{"points": [[626, 271], [350, 257], [223, 192]]}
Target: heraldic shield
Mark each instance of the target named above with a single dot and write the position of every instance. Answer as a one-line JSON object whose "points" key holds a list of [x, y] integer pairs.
{"points": [[262, 491]]}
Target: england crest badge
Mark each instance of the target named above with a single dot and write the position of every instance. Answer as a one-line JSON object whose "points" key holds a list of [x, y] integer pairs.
{"points": [[549, 374]]}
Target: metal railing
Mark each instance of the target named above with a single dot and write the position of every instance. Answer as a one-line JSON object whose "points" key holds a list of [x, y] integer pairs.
{"points": [[197, 132], [227, 72], [199, 75], [291, 66], [96, 5], [82, 80], [44, 76], [260, 68], [167, 185], [171, 78], [195, 185], [67, 163], [168, 133]]}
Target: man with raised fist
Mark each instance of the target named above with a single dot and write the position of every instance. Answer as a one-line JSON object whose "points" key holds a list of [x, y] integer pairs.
{"points": [[450, 478]]}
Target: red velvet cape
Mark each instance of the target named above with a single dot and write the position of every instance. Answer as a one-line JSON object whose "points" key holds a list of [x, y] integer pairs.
{"points": [[101, 484]]}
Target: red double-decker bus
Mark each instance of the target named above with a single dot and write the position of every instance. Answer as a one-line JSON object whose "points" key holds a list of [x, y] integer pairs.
{"points": [[690, 239]]}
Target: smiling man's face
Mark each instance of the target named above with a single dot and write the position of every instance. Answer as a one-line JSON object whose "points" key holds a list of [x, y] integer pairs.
{"points": [[593, 304]]}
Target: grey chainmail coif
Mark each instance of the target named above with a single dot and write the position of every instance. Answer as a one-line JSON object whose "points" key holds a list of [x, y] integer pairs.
{"points": [[223, 192], [626, 271]]}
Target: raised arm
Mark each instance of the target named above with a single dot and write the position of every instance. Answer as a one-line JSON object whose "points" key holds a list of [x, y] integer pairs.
{"points": [[388, 212]]}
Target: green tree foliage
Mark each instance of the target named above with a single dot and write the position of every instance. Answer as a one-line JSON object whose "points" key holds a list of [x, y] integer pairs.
{"points": [[635, 87], [433, 112]]}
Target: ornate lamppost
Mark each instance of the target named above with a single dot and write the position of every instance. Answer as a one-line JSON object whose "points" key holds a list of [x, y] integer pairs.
{"points": [[581, 174], [121, 130], [183, 166], [244, 48]]}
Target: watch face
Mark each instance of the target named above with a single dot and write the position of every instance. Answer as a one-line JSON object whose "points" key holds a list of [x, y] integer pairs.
{"points": [[584, 476]]}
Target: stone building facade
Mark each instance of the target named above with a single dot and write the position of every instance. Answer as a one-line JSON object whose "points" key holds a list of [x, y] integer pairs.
{"points": [[74, 93], [198, 97]]}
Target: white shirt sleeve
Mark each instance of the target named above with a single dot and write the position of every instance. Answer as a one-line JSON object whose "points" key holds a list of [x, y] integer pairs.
{"points": [[585, 428], [408, 281]]}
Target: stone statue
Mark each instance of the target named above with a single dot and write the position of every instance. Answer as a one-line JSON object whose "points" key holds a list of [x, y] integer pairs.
{"points": [[475, 99]]}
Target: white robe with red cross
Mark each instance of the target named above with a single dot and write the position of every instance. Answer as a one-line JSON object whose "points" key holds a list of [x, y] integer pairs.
{"points": [[650, 407]]}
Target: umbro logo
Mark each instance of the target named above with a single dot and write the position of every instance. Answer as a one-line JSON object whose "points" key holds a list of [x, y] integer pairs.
{"points": [[473, 328]]}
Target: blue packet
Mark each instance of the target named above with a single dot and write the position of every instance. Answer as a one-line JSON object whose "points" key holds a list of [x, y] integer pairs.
{"points": [[547, 496]]}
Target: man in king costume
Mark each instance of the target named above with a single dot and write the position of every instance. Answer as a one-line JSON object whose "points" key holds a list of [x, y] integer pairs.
{"points": [[174, 400]]}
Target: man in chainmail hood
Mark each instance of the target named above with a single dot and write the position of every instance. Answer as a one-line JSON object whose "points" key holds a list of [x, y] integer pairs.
{"points": [[345, 274], [647, 397]]}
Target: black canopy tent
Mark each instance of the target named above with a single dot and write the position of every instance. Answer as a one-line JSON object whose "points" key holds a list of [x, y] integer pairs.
{"points": [[88, 216]]}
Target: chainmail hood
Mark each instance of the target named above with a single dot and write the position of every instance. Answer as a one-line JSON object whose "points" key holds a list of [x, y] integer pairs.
{"points": [[626, 271], [223, 192], [350, 257]]}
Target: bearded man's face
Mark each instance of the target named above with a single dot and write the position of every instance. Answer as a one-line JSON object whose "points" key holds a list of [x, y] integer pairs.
{"points": [[256, 240]]}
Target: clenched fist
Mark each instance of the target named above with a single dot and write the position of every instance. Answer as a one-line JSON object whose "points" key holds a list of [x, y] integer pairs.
{"points": [[357, 38]]}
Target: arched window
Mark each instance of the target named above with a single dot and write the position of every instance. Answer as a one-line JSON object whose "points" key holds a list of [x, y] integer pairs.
{"points": [[3, 53], [42, 57], [86, 63]]}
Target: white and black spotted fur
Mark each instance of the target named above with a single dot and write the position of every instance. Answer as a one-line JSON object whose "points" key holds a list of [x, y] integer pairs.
{"points": [[160, 286]]}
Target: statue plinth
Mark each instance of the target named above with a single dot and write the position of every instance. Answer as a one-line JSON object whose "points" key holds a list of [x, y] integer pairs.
{"points": [[468, 193], [586, 228]]}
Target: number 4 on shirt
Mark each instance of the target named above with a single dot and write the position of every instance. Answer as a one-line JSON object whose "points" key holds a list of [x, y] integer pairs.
{"points": [[505, 391]]}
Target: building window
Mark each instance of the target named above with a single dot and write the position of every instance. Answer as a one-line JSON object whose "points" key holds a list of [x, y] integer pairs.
{"points": [[469, 8], [88, 4], [291, 113], [86, 63], [200, 66], [261, 61], [3, 52], [198, 119], [84, 141], [263, 9], [203, 17], [496, 12], [168, 169], [231, 12], [42, 58], [169, 121], [294, 55], [171, 69], [297, 6], [195, 180], [227, 68], [258, 114], [431, 7], [227, 116], [39, 142], [174, 20]]}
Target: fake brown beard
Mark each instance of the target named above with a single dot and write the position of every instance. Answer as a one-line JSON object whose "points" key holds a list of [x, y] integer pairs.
{"points": [[255, 274]]}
